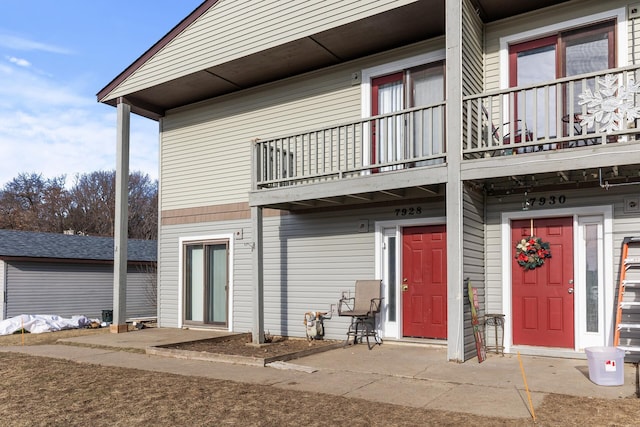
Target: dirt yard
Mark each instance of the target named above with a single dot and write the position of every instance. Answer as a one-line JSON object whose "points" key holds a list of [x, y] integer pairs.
{"points": [[43, 391]]}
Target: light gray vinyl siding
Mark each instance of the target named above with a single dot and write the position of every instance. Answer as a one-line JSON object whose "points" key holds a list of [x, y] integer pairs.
{"points": [[531, 21], [314, 258], [473, 202], [238, 28], [472, 55], [473, 255], [634, 40], [72, 289], [309, 260], [624, 225], [141, 292], [205, 152], [170, 274], [308, 266]]}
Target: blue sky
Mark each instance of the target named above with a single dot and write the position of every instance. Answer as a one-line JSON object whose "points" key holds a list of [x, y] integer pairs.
{"points": [[55, 55]]}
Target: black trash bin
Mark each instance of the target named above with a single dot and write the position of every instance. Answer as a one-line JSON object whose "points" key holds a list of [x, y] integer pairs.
{"points": [[107, 316]]}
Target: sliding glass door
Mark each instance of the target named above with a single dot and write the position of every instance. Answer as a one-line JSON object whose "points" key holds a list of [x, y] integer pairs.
{"points": [[206, 283], [566, 54], [398, 138]]}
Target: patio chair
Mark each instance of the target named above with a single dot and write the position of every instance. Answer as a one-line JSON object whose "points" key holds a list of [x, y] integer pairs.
{"points": [[521, 134], [362, 308]]}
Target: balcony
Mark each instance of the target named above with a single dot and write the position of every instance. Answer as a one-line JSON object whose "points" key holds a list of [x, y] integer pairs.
{"points": [[582, 122], [396, 142], [590, 110]]}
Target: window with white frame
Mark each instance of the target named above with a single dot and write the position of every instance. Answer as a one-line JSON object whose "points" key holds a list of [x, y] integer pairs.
{"points": [[406, 99]]}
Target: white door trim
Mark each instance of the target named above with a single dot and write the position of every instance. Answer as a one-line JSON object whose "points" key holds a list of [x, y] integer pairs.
{"points": [[583, 337], [394, 329], [606, 212]]}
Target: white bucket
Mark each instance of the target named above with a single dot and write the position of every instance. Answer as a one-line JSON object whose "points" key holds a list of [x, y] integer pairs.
{"points": [[606, 365]]}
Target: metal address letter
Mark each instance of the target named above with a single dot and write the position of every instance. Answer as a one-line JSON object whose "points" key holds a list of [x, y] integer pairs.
{"points": [[410, 211]]}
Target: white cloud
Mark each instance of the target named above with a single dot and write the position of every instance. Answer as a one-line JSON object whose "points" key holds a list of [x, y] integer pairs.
{"points": [[23, 87], [69, 143], [19, 61], [20, 43], [51, 128]]}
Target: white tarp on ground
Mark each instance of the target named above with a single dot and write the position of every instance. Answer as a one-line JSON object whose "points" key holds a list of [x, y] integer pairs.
{"points": [[39, 323]]}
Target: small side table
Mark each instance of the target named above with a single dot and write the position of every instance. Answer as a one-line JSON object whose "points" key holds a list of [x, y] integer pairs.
{"points": [[497, 321]]}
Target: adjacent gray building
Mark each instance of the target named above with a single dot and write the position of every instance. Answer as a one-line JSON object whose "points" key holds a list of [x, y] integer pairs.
{"points": [[47, 273]]}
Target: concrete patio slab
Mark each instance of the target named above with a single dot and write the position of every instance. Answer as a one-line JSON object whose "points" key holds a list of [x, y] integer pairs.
{"points": [[403, 391], [480, 400]]}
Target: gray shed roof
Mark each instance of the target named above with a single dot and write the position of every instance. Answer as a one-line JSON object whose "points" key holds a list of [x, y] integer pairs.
{"points": [[28, 244]]}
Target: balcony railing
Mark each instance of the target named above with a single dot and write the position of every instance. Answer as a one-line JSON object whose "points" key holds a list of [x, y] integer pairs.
{"points": [[590, 109], [402, 140]]}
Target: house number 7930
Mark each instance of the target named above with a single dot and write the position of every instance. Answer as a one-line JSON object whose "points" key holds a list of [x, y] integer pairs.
{"points": [[414, 210], [550, 200]]}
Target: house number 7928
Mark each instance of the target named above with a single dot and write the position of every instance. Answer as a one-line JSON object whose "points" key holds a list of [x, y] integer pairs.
{"points": [[415, 210]]}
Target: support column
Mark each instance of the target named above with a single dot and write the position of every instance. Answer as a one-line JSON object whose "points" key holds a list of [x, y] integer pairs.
{"points": [[455, 295], [258, 274], [120, 232]]}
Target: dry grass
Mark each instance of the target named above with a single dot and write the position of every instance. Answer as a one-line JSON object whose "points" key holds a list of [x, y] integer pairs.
{"points": [[36, 391], [47, 337], [43, 391]]}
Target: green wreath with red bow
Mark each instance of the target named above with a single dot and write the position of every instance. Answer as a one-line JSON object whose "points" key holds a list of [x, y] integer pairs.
{"points": [[531, 252]]}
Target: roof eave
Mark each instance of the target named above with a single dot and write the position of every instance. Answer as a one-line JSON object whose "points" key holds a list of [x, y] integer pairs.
{"points": [[103, 94]]}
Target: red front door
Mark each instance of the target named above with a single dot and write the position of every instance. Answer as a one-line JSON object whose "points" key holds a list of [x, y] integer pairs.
{"points": [[542, 305], [424, 282]]}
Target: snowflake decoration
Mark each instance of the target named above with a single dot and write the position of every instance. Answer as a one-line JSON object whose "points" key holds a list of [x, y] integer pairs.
{"points": [[610, 104]]}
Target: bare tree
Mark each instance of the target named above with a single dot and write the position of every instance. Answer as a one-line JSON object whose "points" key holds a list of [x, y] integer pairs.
{"points": [[93, 204], [143, 207], [57, 201], [30, 202]]}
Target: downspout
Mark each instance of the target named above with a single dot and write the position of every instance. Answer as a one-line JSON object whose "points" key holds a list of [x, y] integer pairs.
{"points": [[484, 221]]}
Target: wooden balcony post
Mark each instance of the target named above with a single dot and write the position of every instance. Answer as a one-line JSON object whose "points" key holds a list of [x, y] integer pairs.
{"points": [[455, 313], [257, 257], [256, 171]]}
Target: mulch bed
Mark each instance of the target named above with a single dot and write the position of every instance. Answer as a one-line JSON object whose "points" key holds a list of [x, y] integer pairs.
{"points": [[240, 345]]}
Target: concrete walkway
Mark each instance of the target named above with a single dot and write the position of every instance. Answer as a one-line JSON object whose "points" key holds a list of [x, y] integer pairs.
{"points": [[415, 376]]}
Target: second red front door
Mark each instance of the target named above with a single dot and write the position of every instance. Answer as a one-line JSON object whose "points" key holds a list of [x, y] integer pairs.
{"points": [[542, 298]]}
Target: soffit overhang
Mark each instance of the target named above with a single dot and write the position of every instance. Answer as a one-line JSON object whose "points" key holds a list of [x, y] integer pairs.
{"points": [[401, 26]]}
